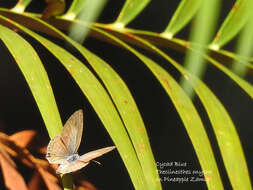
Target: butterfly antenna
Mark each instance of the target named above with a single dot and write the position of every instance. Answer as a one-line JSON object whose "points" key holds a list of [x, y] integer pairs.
{"points": [[96, 162]]}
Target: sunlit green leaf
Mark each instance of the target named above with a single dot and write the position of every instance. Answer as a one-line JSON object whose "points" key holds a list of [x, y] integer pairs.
{"points": [[129, 11], [88, 12], [201, 33], [233, 23], [89, 9], [185, 11], [246, 86], [244, 47], [126, 107], [226, 136], [188, 114], [101, 103], [21, 6], [36, 77]]}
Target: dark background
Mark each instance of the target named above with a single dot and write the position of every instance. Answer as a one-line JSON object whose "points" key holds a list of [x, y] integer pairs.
{"points": [[168, 138]]}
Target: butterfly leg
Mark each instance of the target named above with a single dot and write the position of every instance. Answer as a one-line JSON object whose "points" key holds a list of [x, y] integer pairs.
{"points": [[96, 162]]}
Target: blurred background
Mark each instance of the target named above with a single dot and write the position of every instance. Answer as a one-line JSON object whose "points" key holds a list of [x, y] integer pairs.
{"points": [[168, 138]]}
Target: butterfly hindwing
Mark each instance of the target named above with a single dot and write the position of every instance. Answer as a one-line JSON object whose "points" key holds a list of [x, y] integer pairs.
{"points": [[82, 161], [56, 150], [71, 167]]}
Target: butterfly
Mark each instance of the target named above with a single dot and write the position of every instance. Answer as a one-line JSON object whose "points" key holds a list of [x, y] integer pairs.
{"points": [[62, 149]]}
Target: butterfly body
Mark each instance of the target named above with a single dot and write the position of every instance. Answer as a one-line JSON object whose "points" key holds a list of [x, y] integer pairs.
{"points": [[73, 158], [62, 149], [73, 163]]}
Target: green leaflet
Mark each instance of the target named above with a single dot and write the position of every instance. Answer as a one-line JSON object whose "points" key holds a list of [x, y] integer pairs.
{"points": [[101, 103], [129, 11], [233, 23], [21, 6], [127, 108], [184, 13]]}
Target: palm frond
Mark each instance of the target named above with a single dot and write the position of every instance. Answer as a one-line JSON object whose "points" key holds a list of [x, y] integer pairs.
{"points": [[111, 98]]}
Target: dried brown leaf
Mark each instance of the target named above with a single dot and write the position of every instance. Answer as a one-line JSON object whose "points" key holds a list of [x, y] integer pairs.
{"points": [[35, 183], [23, 154], [42, 150], [81, 188], [12, 179], [83, 184], [6, 156], [3, 137], [47, 178], [23, 138], [19, 153]]}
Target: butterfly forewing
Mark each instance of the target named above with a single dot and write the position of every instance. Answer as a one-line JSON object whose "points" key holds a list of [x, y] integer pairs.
{"points": [[68, 141], [72, 131], [96, 153]]}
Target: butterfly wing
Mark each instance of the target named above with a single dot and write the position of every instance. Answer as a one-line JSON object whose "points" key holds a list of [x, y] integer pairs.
{"points": [[72, 131], [71, 167], [68, 141], [57, 150], [96, 153], [82, 161]]}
